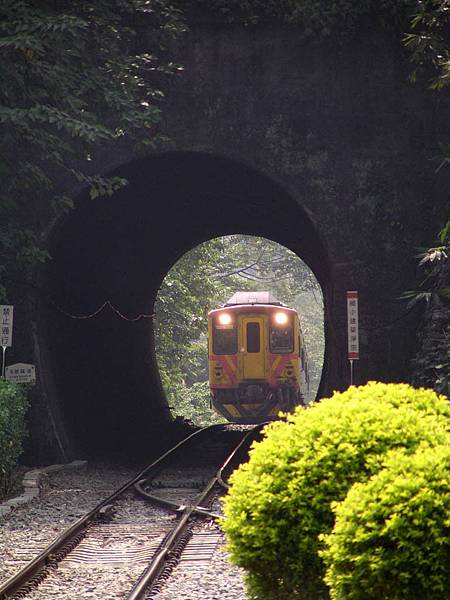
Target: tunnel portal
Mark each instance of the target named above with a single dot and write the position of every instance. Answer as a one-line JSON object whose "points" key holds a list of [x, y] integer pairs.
{"points": [[102, 373]]}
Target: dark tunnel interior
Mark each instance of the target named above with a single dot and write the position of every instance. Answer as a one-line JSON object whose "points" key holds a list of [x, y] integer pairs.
{"points": [[104, 378]]}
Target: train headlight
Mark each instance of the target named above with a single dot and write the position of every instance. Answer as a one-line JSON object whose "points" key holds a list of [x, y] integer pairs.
{"points": [[224, 319], [281, 318]]}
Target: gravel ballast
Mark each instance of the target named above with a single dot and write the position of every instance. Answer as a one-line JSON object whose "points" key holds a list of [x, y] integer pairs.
{"points": [[67, 496], [218, 580]]}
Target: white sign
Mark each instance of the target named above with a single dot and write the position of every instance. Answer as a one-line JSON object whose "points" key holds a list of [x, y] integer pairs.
{"points": [[6, 325], [352, 324], [21, 373]]}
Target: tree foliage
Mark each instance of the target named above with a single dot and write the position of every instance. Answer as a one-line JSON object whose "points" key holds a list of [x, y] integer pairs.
{"points": [[324, 18], [183, 301], [428, 40], [74, 85], [431, 365]]}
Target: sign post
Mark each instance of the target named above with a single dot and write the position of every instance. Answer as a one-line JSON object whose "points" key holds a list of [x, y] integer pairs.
{"points": [[352, 330], [6, 326]]}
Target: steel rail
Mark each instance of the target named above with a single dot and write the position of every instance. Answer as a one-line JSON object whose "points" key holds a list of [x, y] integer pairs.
{"points": [[229, 461], [37, 567], [166, 503], [158, 562]]}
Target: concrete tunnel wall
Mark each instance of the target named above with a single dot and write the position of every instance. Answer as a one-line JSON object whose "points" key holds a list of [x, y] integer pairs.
{"points": [[101, 372], [338, 147]]}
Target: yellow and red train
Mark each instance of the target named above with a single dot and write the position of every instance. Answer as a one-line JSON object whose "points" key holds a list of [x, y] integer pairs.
{"points": [[257, 358]]}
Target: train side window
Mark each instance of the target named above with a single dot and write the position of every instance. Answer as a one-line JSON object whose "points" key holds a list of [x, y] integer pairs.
{"points": [[225, 341], [282, 340], [253, 335]]}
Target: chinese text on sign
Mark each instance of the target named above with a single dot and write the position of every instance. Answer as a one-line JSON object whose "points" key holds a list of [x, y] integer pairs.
{"points": [[6, 325], [353, 327]]}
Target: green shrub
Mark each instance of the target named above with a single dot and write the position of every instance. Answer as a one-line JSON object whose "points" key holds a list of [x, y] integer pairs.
{"points": [[13, 406], [391, 537], [280, 501]]}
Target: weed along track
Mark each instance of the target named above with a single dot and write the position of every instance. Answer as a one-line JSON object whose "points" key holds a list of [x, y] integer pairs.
{"points": [[127, 546]]}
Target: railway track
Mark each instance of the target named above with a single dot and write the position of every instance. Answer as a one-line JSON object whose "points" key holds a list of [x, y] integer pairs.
{"points": [[138, 537]]}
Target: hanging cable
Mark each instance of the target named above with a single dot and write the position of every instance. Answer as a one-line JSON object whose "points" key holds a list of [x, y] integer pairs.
{"points": [[105, 304]]}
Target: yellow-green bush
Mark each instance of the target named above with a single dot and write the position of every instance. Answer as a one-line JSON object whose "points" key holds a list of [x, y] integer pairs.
{"points": [[13, 406], [391, 537], [280, 501]]}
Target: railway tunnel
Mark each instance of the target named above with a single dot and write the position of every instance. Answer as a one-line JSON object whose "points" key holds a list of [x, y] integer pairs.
{"points": [[102, 379], [339, 144]]}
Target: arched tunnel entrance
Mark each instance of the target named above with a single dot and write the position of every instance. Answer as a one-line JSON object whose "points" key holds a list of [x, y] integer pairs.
{"points": [[103, 376], [204, 279]]}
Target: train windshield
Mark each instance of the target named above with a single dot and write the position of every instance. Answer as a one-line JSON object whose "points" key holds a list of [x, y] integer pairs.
{"points": [[253, 341], [282, 339], [224, 339]]}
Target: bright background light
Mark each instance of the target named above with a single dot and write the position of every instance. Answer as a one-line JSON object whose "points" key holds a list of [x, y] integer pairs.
{"points": [[203, 280]]}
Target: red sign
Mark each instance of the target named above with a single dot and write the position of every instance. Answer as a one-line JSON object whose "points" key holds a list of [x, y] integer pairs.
{"points": [[352, 325]]}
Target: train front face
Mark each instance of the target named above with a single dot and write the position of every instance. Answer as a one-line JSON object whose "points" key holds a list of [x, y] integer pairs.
{"points": [[254, 369]]}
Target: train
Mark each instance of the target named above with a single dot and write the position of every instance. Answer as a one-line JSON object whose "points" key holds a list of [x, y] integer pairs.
{"points": [[257, 358]]}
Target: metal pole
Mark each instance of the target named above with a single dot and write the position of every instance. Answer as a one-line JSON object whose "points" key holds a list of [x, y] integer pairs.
{"points": [[351, 372], [3, 361]]}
